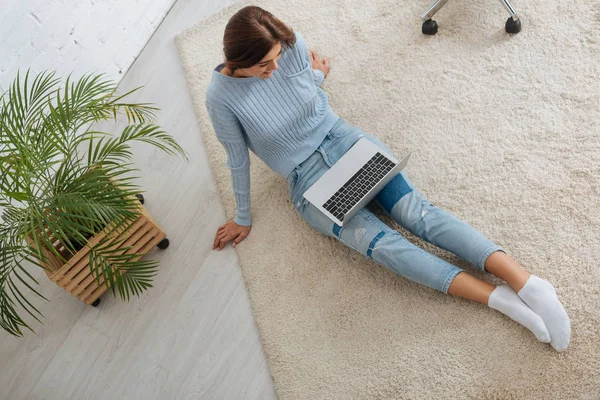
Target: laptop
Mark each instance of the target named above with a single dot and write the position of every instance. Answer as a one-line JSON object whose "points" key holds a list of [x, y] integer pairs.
{"points": [[352, 182]]}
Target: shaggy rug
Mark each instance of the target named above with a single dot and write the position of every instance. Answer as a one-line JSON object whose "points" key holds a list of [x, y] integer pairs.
{"points": [[505, 134]]}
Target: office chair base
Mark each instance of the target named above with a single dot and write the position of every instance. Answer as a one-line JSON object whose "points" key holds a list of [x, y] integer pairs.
{"points": [[513, 25], [430, 27]]}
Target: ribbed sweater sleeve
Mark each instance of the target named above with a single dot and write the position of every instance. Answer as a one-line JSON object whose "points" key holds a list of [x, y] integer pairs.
{"points": [[318, 76], [302, 58], [229, 133]]}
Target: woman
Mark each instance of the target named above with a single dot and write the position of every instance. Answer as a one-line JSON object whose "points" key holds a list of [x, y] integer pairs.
{"points": [[266, 97]]}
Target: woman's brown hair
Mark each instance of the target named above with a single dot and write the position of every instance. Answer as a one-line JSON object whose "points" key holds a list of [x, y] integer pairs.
{"points": [[249, 36]]}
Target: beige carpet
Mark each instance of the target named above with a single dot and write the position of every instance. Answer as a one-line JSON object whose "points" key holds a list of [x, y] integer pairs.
{"points": [[506, 135]]}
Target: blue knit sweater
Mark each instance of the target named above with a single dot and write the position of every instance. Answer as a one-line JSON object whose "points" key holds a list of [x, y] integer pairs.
{"points": [[282, 119]]}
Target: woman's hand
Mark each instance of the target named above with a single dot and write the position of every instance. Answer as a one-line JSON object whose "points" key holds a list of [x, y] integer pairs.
{"points": [[230, 231], [317, 63]]}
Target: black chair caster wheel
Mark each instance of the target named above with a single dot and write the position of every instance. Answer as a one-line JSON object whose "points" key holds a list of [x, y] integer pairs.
{"points": [[429, 27], [140, 197], [163, 244], [513, 25], [95, 304]]}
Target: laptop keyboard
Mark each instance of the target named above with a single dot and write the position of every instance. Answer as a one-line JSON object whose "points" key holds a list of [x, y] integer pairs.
{"points": [[358, 186]]}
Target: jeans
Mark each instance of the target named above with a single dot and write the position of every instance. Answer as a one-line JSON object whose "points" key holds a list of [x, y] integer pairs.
{"points": [[368, 235]]}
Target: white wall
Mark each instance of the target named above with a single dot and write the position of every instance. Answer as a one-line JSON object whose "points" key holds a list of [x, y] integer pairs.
{"points": [[78, 36]]}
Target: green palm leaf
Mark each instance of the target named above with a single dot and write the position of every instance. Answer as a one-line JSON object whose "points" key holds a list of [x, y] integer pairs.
{"points": [[50, 193]]}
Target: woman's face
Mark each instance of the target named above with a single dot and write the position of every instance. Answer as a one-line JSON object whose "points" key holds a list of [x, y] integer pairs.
{"points": [[265, 68]]}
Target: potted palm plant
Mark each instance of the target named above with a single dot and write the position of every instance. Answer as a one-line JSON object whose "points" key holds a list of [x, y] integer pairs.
{"points": [[68, 200]]}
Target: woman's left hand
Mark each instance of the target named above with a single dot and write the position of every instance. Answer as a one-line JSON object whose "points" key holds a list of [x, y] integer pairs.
{"points": [[317, 63]]}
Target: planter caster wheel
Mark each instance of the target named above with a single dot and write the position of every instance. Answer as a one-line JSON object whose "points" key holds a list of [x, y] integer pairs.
{"points": [[163, 244], [95, 303], [429, 27], [513, 25], [140, 197]]}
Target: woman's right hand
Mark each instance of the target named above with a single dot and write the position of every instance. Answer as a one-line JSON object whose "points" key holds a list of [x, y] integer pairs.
{"points": [[317, 63], [228, 232]]}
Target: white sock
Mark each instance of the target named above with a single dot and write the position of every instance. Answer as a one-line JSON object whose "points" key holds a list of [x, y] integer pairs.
{"points": [[540, 296], [505, 300]]}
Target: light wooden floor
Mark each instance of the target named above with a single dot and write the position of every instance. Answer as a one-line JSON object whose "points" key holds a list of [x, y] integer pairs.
{"points": [[193, 335]]}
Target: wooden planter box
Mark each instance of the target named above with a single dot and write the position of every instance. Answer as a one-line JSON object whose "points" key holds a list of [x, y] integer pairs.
{"points": [[75, 276]]}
